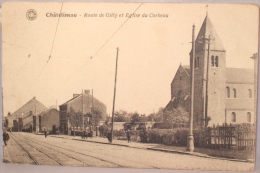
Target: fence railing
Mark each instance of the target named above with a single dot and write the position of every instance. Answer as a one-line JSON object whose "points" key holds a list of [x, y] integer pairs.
{"points": [[230, 137]]}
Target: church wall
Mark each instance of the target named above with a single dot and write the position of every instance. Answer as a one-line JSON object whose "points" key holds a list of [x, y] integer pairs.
{"points": [[241, 90], [181, 82], [241, 116], [216, 88]]}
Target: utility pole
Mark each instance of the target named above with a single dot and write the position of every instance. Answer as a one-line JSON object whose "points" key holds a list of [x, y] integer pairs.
{"points": [[92, 110], [114, 98], [82, 111], [190, 145]]}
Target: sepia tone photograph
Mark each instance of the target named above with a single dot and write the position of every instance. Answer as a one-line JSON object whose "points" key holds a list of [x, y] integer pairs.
{"points": [[130, 85]]}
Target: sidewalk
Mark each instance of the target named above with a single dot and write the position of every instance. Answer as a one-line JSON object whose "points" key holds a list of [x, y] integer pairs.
{"points": [[6, 157], [148, 146]]}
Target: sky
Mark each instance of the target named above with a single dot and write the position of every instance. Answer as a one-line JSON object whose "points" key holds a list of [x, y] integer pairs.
{"points": [[83, 50]]}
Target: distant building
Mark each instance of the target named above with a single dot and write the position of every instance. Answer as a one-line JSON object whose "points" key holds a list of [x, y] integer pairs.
{"points": [[25, 114], [49, 120], [87, 102], [221, 94]]}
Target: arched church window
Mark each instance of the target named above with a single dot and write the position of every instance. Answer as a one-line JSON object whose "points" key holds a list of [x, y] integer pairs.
{"points": [[250, 93], [234, 93], [233, 117], [248, 117], [228, 92]]}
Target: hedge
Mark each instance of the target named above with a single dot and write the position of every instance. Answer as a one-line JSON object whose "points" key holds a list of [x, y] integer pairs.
{"points": [[177, 137]]}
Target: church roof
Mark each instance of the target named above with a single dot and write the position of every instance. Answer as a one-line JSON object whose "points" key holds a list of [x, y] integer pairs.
{"points": [[234, 75], [206, 30], [187, 69], [239, 75]]}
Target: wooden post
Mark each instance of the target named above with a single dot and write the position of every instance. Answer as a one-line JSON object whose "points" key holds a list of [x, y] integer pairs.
{"points": [[114, 98]]}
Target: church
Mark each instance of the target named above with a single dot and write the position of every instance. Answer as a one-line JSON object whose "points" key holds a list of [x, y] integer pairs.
{"points": [[221, 94]]}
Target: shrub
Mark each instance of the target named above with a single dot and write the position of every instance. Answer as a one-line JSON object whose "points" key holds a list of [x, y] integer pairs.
{"points": [[176, 137]]}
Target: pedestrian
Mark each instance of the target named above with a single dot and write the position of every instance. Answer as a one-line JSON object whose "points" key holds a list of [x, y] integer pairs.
{"points": [[109, 137], [5, 137], [128, 135], [45, 133]]}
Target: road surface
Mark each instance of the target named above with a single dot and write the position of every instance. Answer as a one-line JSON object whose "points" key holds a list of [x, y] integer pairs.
{"points": [[36, 149]]}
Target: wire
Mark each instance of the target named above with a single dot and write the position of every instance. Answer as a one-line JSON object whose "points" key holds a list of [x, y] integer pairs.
{"points": [[55, 33], [51, 50], [103, 44]]}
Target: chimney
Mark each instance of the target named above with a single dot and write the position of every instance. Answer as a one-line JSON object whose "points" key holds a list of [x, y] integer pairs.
{"points": [[87, 92]]}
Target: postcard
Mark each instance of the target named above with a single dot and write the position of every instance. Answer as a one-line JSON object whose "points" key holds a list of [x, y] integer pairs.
{"points": [[130, 85]]}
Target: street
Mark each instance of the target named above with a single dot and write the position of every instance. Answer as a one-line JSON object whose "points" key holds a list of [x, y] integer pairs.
{"points": [[72, 151]]}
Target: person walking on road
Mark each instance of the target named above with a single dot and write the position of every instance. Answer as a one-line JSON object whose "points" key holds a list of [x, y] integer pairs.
{"points": [[5, 137], [45, 133], [109, 137], [128, 135]]}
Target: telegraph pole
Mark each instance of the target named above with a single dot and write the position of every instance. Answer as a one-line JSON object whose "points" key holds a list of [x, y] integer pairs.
{"points": [[190, 145], [82, 111], [114, 98]]}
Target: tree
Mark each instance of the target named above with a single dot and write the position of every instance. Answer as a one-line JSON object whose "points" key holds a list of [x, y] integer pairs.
{"points": [[94, 117], [177, 116], [136, 117], [121, 116], [156, 117]]}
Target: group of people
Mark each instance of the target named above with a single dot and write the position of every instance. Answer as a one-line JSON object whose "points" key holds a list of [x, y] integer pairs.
{"points": [[85, 134]]}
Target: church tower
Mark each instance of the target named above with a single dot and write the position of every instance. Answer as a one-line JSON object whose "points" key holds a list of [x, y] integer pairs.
{"points": [[209, 77]]}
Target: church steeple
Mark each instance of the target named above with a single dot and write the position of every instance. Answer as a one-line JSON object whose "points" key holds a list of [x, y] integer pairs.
{"points": [[206, 30]]}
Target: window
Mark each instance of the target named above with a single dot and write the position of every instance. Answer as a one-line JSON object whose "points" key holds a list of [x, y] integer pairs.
{"points": [[180, 96], [197, 62], [233, 117], [250, 93], [248, 117], [228, 92], [214, 61], [235, 93], [180, 77]]}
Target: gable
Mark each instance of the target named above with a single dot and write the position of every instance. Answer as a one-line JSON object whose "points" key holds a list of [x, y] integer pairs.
{"points": [[181, 74]]}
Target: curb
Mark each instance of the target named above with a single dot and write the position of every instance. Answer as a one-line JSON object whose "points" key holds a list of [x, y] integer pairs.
{"points": [[199, 155], [162, 150]]}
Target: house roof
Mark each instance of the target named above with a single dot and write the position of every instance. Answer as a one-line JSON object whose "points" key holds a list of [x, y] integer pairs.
{"points": [[71, 99], [239, 75], [206, 30], [79, 96], [32, 105], [46, 111]]}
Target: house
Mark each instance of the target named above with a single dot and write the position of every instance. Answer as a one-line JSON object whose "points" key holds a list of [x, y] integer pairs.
{"points": [[84, 101], [49, 120], [221, 94], [25, 113]]}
